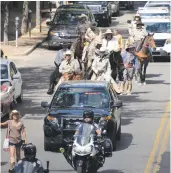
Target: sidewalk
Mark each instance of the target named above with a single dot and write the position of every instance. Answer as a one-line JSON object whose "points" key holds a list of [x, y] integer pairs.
{"points": [[25, 44]]}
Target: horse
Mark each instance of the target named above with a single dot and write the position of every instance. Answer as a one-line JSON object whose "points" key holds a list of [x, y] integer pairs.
{"points": [[142, 51], [117, 65]]}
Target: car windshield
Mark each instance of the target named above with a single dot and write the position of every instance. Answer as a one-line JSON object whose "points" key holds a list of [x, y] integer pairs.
{"points": [[159, 5], [67, 17], [4, 71], [158, 27], [94, 2], [81, 97]]}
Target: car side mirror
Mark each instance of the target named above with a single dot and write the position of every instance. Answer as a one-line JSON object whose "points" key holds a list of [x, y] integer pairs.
{"points": [[49, 23], [117, 104], [129, 21], [44, 104]]}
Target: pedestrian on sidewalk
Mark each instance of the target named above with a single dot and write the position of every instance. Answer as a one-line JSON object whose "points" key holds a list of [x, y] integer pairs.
{"points": [[128, 59], [16, 130]]}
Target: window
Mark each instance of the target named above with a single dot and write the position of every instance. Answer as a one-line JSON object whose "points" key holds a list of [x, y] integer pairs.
{"points": [[4, 71], [81, 97], [14, 68], [12, 72]]}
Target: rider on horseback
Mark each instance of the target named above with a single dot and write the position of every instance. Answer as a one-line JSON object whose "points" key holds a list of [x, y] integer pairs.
{"points": [[83, 24], [92, 36], [55, 74], [112, 45], [69, 68], [102, 69]]}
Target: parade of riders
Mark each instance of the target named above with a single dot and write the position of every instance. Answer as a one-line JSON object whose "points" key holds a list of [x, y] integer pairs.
{"points": [[97, 56]]}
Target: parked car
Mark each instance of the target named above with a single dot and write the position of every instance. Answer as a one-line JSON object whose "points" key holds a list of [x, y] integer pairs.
{"points": [[115, 8], [63, 26], [65, 111], [158, 4], [11, 85], [7, 98], [102, 11], [127, 4]]}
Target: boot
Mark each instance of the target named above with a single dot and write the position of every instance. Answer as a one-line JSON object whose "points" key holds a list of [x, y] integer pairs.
{"points": [[11, 167], [51, 89], [129, 88], [125, 87]]}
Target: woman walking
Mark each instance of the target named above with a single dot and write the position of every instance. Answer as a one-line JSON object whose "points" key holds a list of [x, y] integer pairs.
{"points": [[16, 129]]}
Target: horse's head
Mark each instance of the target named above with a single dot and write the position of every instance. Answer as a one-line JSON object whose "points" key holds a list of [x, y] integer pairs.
{"points": [[149, 40]]}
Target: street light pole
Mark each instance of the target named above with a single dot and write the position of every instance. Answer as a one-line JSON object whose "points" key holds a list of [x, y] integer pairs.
{"points": [[16, 25]]}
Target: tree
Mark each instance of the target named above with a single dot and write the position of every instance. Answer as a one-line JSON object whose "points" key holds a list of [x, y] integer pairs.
{"points": [[38, 17], [5, 9], [24, 25]]}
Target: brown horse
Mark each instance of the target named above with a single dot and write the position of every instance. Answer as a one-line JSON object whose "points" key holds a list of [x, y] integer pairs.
{"points": [[144, 54]]}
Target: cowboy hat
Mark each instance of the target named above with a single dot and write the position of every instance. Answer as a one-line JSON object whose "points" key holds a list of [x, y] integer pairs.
{"points": [[109, 31], [82, 16], [129, 47], [137, 15], [68, 52]]}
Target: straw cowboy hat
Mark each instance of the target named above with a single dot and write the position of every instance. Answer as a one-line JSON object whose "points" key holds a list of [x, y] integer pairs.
{"points": [[68, 52], [82, 16], [109, 31], [137, 15]]}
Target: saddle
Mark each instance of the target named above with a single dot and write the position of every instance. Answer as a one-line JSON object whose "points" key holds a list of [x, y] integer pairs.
{"points": [[68, 76]]}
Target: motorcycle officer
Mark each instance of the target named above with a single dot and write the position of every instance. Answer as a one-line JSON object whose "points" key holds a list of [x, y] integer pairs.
{"points": [[30, 161], [88, 117], [55, 74]]}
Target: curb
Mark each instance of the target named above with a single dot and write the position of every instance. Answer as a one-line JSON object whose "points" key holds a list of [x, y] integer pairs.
{"points": [[30, 50]]}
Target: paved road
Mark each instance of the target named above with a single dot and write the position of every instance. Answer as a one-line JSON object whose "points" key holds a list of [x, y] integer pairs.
{"points": [[144, 147]]}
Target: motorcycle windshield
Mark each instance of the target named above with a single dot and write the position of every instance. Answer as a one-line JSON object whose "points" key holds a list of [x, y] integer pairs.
{"points": [[85, 133], [27, 167]]}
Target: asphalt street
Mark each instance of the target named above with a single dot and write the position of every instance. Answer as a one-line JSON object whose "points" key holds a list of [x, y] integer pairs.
{"points": [[144, 147]]}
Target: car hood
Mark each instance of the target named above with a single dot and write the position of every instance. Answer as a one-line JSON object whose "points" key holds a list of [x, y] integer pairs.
{"points": [[64, 29], [58, 113], [161, 36]]}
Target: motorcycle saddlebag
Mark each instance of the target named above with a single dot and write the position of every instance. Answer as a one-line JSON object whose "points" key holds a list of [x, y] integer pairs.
{"points": [[108, 148]]}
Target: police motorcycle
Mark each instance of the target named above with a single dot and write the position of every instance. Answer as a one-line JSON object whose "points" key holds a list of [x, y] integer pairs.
{"points": [[30, 164], [86, 152]]}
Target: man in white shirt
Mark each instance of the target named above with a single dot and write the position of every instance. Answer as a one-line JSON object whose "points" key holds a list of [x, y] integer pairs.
{"points": [[111, 44], [69, 68], [55, 74]]}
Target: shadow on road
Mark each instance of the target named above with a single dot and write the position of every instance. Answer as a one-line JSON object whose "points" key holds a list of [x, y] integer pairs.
{"points": [[4, 163], [153, 75], [125, 142], [111, 171], [165, 163], [156, 82]]}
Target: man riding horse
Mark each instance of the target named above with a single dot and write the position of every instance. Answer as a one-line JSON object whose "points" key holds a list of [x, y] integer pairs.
{"points": [[143, 43], [111, 44]]}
